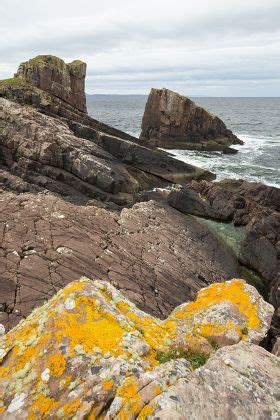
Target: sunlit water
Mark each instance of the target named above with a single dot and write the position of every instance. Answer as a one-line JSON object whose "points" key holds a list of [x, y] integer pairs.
{"points": [[254, 120]]}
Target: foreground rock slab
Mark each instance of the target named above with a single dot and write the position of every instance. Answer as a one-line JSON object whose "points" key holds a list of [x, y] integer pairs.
{"points": [[91, 352], [240, 381], [174, 121], [158, 257]]}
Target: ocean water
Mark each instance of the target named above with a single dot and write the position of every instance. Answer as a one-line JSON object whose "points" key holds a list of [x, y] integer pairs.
{"points": [[254, 120]]}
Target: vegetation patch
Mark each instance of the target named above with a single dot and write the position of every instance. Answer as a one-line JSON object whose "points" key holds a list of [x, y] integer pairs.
{"points": [[196, 359]]}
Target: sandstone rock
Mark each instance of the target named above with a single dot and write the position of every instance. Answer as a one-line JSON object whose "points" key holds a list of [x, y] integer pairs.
{"points": [[55, 88], [174, 121], [240, 381], [90, 352], [53, 75], [158, 257], [254, 205], [33, 144]]}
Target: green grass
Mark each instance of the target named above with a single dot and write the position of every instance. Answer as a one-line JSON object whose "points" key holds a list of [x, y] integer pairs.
{"points": [[13, 82], [196, 359], [213, 343]]}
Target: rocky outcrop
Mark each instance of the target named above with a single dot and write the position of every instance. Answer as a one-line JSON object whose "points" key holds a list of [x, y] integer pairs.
{"points": [[174, 121], [158, 257], [45, 152], [254, 205], [53, 75], [89, 352], [55, 88], [240, 381]]}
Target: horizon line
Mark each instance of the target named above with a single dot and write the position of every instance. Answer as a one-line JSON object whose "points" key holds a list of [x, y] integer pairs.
{"points": [[191, 96]]}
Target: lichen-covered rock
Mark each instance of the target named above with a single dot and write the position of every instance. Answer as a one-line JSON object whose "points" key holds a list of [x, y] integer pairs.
{"points": [[173, 121], [90, 352], [237, 382]]}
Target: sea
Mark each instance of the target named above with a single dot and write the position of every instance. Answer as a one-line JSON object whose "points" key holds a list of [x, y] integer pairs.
{"points": [[256, 121]]}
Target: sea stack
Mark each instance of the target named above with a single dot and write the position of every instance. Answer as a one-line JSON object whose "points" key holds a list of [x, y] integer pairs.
{"points": [[174, 121], [53, 75]]}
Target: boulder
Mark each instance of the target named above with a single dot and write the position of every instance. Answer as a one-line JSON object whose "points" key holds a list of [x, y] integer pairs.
{"points": [[173, 121], [91, 352], [240, 381]]}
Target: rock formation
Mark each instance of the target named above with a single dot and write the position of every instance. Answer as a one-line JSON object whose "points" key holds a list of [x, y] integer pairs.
{"points": [[253, 205], [157, 256], [174, 121], [90, 353], [80, 198], [55, 88], [53, 75]]}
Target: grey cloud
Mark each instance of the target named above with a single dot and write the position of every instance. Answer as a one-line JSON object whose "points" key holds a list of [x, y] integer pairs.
{"points": [[134, 45]]}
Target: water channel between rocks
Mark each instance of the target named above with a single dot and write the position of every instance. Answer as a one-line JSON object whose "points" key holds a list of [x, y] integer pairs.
{"points": [[232, 236]]}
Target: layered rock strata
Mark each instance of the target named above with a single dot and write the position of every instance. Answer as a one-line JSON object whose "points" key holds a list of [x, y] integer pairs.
{"points": [[53, 75], [45, 152], [89, 352], [56, 89], [173, 121]]}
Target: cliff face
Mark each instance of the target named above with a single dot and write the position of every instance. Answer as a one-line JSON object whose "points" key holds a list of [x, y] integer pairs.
{"points": [[90, 353], [53, 75], [174, 121]]}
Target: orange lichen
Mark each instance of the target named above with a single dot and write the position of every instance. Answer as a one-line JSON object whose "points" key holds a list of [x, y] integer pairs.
{"points": [[145, 412], [42, 407], [232, 291], [128, 391], [157, 389], [107, 384], [56, 364], [71, 408], [90, 327]]}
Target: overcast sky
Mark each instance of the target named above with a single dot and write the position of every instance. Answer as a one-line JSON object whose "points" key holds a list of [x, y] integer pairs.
{"points": [[196, 47]]}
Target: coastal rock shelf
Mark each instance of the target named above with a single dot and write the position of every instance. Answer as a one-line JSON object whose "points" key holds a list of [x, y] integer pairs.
{"points": [[157, 256], [90, 353], [173, 121]]}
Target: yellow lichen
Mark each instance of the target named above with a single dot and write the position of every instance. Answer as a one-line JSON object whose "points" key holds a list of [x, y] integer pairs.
{"points": [[56, 364], [232, 291], [145, 412], [71, 408], [42, 407], [107, 384]]}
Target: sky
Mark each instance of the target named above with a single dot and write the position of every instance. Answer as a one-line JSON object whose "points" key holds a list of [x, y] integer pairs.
{"points": [[195, 47]]}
